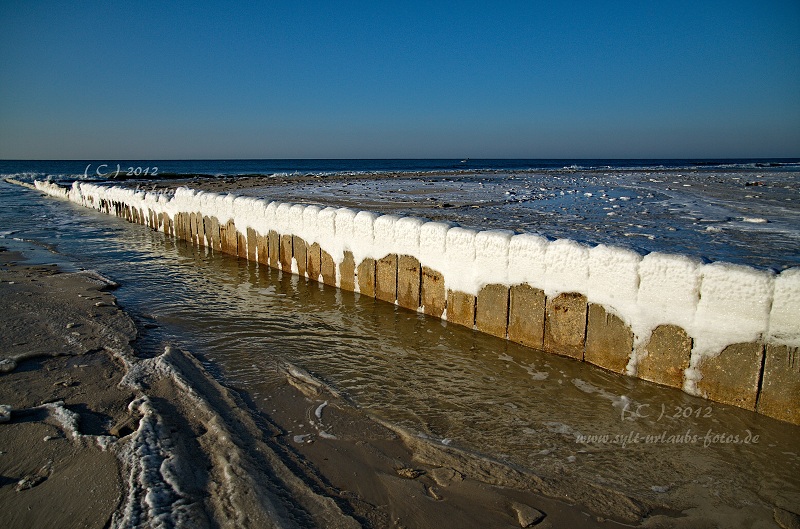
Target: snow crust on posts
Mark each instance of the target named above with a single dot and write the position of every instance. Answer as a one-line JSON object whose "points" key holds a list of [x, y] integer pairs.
{"points": [[614, 281], [270, 213], [363, 235], [526, 260], [406, 235], [734, 307], [491, 257], [669, 289], [309, 232], [54, 190], [244, 213], [667, 294], [343, 235], [224, 207], [383, 236], [717, 304], [344, 226], [282, 224], [459, 274], [566, 268], [784, 318], [433, 244]]}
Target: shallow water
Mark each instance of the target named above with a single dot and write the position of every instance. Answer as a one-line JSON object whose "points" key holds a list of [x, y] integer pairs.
{"points": [[553, 415]]}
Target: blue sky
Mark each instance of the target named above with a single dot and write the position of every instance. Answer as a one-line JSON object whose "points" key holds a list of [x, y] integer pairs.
{"points": [[162, 80]]}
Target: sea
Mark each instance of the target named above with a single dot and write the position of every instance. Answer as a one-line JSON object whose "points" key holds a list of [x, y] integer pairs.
{"points": [[528, 409]]}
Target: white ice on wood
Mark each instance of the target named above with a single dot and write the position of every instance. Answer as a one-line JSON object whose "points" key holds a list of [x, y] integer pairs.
{"points": [[406, 235], [669, 288], [734, 307], [491, 257], [344, 231], [459, 274], [326, 226], [566, 268], [526, 260], [310, 214], [717, 304], [282, 225], [614, 279], [363, 236], [383, 235], [297, 220], [260, 221], [433, 244], [784, 319], [271, 216], [734, 301]]}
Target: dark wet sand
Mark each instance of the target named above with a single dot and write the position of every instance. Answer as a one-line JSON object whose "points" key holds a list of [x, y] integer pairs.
{"points": [[72, 449]]}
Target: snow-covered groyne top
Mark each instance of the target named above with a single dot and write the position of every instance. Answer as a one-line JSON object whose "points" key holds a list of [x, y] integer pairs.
{"points": [[717, 304]]}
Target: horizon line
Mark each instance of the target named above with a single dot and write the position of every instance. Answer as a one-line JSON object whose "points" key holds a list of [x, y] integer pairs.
{"points": [[404, 158]]}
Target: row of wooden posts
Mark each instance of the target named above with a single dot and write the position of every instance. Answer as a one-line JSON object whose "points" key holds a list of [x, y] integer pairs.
{"points": [[756, 376]]}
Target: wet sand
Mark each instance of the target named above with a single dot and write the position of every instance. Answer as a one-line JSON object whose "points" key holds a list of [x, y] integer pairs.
{"points": [[99, 437]]}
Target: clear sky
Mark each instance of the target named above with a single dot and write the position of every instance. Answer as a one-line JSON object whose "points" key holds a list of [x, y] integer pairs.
{"points": [[584, 79]]}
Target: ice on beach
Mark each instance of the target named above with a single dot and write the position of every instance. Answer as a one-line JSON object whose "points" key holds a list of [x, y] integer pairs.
{"points": [[383, 235], [5, 413], [559, 428], [67, 419], [363, 235], [407, 235], [309, 232], [617, 401], [614, 278], [433, 244], [535, 374], [566, 267], [491, 257], [785, 313], [460, 250], [733, 307], [7, 364], [669, 289], [526, 259], [297, 218]]}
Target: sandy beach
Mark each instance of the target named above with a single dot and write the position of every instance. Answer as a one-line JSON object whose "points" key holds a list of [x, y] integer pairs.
{"points": [[95, 436]]}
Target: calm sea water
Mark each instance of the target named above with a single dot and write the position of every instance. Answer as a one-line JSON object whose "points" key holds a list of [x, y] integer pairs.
{"points": [[94, 169]]}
